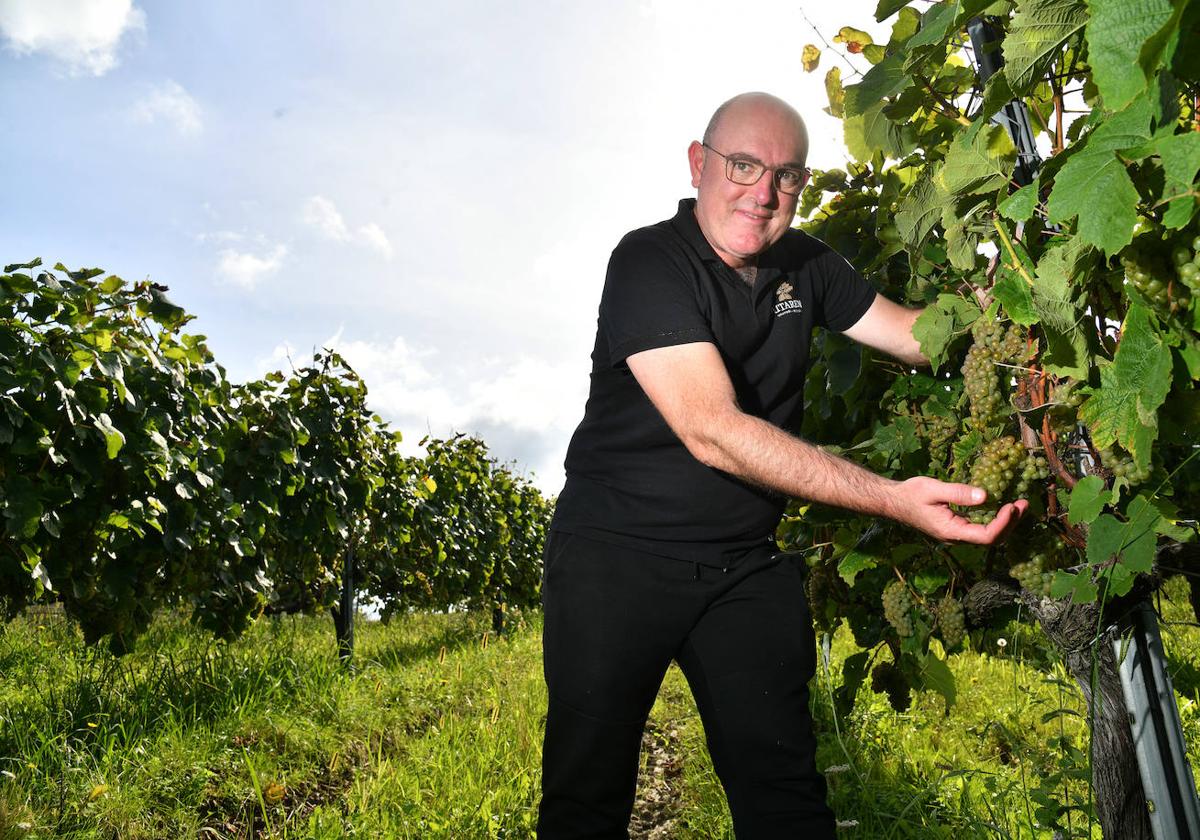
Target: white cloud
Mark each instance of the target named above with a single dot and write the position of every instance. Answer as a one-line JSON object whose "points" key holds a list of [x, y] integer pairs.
{"points": [[81, 34], [171, 104], [246, 269], [321, 214], [523, 407], [373, 236]]}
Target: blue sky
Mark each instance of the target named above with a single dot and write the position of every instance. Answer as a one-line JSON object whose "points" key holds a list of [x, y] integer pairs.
{"points": [[433, 188]]}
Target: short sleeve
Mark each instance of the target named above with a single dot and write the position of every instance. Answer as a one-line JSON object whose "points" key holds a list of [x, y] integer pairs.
{"points": [[651, 298], [843, 295]]}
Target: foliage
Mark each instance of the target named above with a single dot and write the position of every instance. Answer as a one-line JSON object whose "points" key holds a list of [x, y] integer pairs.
{"points": [[1059, 311], [134, 476]]}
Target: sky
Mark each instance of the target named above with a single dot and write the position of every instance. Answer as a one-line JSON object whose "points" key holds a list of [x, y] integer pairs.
{"points": [[431, 189]]}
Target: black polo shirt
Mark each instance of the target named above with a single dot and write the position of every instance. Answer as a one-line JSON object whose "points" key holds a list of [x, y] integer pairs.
{"points": [[630, 480]]}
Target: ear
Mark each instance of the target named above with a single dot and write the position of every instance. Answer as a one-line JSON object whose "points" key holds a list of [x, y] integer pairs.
{"points": [[696, 161]]}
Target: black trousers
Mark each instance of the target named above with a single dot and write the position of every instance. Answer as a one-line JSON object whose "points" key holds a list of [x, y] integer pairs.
{"points": [[743, 637]]}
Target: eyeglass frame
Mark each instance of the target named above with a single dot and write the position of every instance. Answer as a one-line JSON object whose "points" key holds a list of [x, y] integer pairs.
{"points": [[805, 172]]}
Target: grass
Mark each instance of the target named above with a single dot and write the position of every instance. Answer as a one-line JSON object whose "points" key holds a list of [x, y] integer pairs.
{"points": [[437, 734]]}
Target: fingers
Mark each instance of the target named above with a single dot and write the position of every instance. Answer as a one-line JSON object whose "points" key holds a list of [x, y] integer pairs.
{"points": [[960, 530], [963, 494], [1007, 518]]}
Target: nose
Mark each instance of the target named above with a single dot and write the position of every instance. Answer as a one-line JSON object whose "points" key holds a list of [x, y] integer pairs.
{"points": [[764, 190]]}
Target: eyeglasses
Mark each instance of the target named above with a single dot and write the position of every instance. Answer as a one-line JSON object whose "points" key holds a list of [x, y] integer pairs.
{"points": [[747, 171]]}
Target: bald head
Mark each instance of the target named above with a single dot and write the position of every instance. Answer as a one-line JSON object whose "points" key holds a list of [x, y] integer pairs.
{"points": [[756, 107]]}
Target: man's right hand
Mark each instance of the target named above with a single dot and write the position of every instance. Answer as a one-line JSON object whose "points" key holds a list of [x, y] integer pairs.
{"points": [[924, 503]]}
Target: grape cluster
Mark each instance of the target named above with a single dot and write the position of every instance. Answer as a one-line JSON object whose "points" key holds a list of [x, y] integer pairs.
{"points": [[1004, 469], [1167, 284], [996, 467], [817, 588], [981, 380], [1044, 553], [887, 678], [1064, 404], [897, 607], [1123, 466], [1032, 576], [939, 430], [951, 621]]}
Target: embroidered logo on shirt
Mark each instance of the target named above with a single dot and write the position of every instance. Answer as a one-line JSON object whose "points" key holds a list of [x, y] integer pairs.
{"points": [[786, 303]]}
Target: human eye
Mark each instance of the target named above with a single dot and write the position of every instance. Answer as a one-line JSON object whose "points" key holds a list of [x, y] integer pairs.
{"points": [[744, 171], [789, 178]]}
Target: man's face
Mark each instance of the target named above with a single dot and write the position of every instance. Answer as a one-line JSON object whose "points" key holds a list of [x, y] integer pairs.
{"points": [[740, 221]]}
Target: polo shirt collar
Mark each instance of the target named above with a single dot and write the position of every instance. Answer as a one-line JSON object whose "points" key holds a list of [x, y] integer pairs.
{"points": [[687, 226]]}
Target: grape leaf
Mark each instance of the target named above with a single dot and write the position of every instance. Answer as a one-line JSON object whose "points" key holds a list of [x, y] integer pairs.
{"points": [[1088, 498], [1035, 33], [979, 161], [885, 79], [961, 247], [854, 563], [1016, 297], [936, 24], [1116, 32], [920, 210], [810, 57], [872, 131], [1132, 388], [1096, 187], [835, 92], [905, 27], [1132, 542], [938, 325], [1180, 154], [935, 674], [1020, 205], [887, 8], [1079, 588]]}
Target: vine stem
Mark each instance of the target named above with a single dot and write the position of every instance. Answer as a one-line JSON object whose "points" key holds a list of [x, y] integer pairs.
{"points": [[947, 109], [846, 59], [1017, 264]]}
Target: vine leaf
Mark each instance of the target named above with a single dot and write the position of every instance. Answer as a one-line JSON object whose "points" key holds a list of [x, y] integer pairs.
{"points": [[1096, 187], [1035, 34], [1019, 206], [1015, 296], [1180, 154], [920, 210], [810, 57], [887, 78], [935, 674], [853, 563], [1116, 34], [936, 24], [978, 162], [887, 8], [938, 325], [1131, 542], [1132, 388], [1088, 498], [872, 130], [835, 92]]}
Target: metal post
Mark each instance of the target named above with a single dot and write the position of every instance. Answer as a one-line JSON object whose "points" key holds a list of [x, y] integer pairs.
{"points": [[1157, 731]]}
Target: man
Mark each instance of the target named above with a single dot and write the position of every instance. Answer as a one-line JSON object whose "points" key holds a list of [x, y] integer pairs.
{"points": [[662, 543]]}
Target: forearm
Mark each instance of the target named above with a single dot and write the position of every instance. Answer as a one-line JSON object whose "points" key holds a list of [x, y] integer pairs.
{"points": [[763, 454]]}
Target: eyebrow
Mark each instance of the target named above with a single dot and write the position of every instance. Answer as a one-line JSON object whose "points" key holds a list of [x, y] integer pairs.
{"points": [[791, 164]]}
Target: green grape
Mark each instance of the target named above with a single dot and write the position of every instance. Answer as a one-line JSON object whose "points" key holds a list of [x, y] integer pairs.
{"points": [[817, 588], [897, 607], [951, 621]]}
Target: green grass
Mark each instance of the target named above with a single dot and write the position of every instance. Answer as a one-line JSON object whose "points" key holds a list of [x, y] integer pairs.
{"points": [[437, 733]]}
